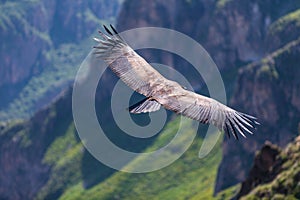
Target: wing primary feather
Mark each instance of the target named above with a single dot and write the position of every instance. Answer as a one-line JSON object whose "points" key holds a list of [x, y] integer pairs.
{"points": [[227, 131], [97, 39], [237, 127], [103, 35], [106, 42], [98, 52], [249, 116], [107, 30], [253, 119], [100, 47], [241, 125], [230, 128], [114, 30], [117, 34], [233, 130], [252, 122], [243, 120]]}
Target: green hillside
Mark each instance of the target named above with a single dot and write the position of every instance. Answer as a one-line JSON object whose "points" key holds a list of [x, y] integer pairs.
{"points": [[286, 184], [68, 167], [55, 55], [42, 88], [188, 177]]}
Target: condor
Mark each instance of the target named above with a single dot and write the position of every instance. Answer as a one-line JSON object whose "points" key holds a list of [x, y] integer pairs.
{"points": [[139, 75]]}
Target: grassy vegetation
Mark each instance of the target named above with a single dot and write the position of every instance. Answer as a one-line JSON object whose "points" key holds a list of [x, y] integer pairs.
{"points": [[283, 30], [228, 193], [64, 155], [59, 63], [187, 178], [286, 185], [267, 66], [11, 10], [292, 19], [54, 78], [267, 69], [13, 16], [222, 3]]}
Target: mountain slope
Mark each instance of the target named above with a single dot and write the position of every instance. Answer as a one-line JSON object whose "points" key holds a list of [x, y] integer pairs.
{"points": [[188, 177], [276, 178], [43, 45], [61, 169], [269, 89], [23, 145], [233, 32], [43, 156]]}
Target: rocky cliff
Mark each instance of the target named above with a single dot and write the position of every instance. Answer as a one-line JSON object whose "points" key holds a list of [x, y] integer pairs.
{"points": [[268, 89], [23, 145], [24, 27], [233, 32], [34, 35], [275, 173], [39, 40], [33, 27]]}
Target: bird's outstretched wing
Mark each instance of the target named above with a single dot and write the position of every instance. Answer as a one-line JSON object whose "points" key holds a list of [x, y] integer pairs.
{"points": [[209, 111], [143, 78], [133, 70]]}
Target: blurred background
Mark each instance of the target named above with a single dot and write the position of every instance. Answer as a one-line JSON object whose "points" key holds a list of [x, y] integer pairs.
{"points": [[254, 43]]}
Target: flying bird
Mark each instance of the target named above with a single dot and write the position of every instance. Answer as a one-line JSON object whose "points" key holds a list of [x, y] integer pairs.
{"points": [[159, 91]]}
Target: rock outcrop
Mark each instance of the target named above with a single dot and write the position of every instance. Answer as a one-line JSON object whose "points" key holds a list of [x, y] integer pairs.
{"points": [[23, 145], [264, 169], [275, 173]]}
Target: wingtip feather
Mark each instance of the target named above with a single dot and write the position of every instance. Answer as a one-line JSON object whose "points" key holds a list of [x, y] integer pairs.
{"points": [[114, 30], [96, 39], [107, 30]]}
